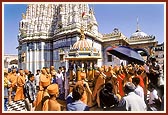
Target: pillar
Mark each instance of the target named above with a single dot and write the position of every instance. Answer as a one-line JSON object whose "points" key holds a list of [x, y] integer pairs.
{"points": [[78, 76], [71, 74]]}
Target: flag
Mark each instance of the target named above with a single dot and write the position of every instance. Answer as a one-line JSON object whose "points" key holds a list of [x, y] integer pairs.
{"points": [[83, 14]]}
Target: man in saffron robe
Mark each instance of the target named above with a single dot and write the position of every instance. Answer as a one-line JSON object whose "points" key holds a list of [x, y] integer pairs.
{"points": [[20, 83], [42, 95], [51, 104]]}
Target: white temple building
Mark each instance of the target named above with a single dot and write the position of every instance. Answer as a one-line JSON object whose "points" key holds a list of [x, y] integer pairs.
{"points": [[47, 32]]}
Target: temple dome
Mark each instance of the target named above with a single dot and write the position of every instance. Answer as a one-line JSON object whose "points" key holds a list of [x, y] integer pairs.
{"points": [[82, 49], [138, 34], [82, 44]]}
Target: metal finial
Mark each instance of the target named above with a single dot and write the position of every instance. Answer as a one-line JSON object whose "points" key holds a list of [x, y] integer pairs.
{"points": [[137, 25]]}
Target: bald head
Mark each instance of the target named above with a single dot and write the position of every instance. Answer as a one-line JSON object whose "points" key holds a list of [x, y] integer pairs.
{"points": [[43, 71], [26, 71], [52, 68]]}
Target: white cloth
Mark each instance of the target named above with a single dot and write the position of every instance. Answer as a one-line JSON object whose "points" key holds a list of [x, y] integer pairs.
{"points": [[59, 80], [134, 102], [37, 80], [153, 95], [66, 84], [139, 91], [160, 81], [26, 76]]}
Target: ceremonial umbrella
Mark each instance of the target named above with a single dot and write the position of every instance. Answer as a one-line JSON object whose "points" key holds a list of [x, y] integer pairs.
{"points": [[126, 53]]}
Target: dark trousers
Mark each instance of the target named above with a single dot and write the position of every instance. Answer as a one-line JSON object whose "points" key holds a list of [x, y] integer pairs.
{"points": [[5, 104]]}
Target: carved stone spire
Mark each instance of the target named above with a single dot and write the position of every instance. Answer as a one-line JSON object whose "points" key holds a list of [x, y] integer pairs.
{"points": [[23, 16], [92, 23], [50, 18]]}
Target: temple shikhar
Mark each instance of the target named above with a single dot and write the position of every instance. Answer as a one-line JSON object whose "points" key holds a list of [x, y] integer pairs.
{"points": [[68, 35]]}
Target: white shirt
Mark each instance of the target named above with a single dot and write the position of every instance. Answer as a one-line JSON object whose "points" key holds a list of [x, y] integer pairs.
{"points": [[37, 79], [139, 91], [134, 102], [153, 95], [59, 78]]}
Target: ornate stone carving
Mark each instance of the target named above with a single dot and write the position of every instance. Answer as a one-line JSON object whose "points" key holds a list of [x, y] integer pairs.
{"points": [[23, 16]]}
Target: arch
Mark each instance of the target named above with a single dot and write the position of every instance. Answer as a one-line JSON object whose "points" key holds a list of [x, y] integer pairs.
{"points": [[107, 48]]}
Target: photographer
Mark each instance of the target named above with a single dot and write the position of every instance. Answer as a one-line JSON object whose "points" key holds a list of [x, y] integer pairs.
{"points": [[154, 71], [30, 92]]}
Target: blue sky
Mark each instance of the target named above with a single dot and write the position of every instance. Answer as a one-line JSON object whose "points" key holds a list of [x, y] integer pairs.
{"points": [[109, 16]]}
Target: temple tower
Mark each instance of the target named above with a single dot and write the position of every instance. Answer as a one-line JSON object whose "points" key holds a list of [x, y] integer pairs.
{"points": [[47, 31]]}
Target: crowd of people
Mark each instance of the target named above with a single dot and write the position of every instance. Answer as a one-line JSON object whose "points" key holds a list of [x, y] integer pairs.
{"points": [[129, 87], [37, 90]]}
